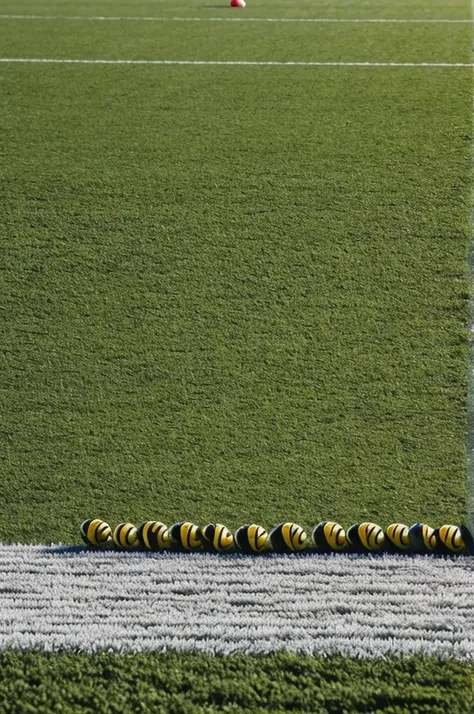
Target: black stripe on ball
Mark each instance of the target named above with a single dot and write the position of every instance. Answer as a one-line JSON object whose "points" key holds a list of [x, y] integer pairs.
{"points": [[84, 528], [467, 538], [241, 537], [422, 538], [118, 534]]}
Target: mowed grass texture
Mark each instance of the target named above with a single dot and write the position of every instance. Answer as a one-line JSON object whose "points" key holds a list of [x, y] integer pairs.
{"points": [[238, 684], [233, 293], [263, 9], [231, 41]]}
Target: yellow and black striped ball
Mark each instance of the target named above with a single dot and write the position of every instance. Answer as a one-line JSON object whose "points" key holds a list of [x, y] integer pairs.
{"points": [[252, 539], [329, 536], [126, 536], [450, 539], [186, 535], [288, 538], [96, 532], [154, 535], [422, 538], [366, 537], [217, 537], [396, 536]]}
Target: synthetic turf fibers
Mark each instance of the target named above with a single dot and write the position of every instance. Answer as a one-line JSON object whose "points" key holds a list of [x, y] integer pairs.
{"points": [[239, 684], [427, 10], [365, 607], [237, 294], [233, 294]]}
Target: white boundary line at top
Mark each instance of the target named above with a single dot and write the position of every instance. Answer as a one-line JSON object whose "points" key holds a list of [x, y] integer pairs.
{"points": [[234, 63], [240, 19]]}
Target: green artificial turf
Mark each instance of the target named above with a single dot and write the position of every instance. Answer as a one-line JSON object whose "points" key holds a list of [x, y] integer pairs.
{"points": [[230, 41], [233, 293], [238, 294], [402, 9], [238, 684]]}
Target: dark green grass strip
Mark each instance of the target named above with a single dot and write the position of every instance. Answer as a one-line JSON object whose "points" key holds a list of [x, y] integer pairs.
{"points": [[189, 684]]}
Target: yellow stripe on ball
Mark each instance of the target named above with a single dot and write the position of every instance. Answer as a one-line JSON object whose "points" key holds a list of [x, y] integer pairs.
{"points": [[329, 535], [96, 532], [288, 537], [258, 537], [367, 535], [154, 535], [450, 536], [294, 536], [252, 538], [187, 535], [371, 535], [126, 536], [397, 534], [217, 536]]}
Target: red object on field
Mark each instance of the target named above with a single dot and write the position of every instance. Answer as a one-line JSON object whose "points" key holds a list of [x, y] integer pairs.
{"points": [[237, 3]]}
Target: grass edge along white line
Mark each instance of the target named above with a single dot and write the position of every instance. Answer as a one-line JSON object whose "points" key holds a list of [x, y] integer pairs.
{"points": [[131, 18], [233, 63], [69, 599]]}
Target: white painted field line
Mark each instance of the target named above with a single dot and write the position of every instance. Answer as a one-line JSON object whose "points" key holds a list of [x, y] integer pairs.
{"points": [[362, 606], [234, 63], [102, 18]]}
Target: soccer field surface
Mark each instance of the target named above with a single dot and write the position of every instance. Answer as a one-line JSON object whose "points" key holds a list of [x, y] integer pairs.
{"points": [[235, 287], [233, 293]]}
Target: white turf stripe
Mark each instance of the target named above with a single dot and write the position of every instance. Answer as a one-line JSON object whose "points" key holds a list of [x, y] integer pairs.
{"points": [[239, 63], [387, 21], [363, 606]]}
